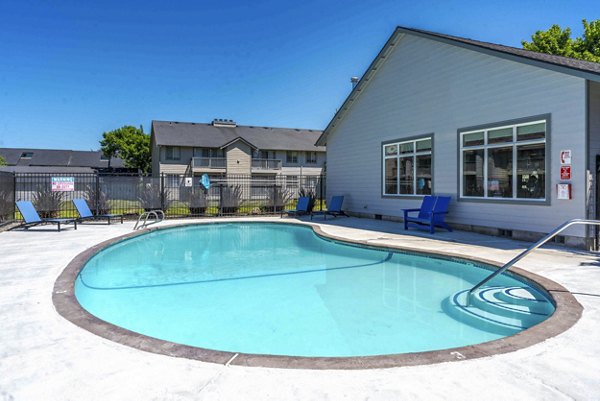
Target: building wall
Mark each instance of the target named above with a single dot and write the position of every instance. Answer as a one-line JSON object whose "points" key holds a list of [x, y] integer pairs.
{"points": [[155, 157], [429, 87], [594, 142], [237, 152], [175, 166], [238, 158]]}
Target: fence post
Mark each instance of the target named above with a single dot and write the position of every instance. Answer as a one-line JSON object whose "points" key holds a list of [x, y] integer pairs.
{"points": [[220, 199], [321, 193], [162, 192], [14, 209], [274, 198], [97, 200]]}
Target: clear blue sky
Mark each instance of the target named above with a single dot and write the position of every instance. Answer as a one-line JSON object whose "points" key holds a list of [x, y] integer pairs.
{"points": [[70, 70]]}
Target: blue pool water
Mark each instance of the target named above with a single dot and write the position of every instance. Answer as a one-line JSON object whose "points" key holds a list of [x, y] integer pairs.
{"points": [[279, 289]]}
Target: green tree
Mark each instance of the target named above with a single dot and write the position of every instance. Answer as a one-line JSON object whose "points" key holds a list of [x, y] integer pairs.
{"points": [[2, 161], [558, 41], [130, 144]]}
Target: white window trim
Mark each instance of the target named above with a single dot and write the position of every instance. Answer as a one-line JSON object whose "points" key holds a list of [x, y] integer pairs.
{"points": [[513, 144], [398, 156]]}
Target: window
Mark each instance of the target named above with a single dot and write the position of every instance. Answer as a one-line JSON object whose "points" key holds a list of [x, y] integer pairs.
{"points": [[26, 155], [407, 167], [311, 157], [291, 157], [172, 153], [173, 180], [507, 162], [208, 152], [263, 154]]}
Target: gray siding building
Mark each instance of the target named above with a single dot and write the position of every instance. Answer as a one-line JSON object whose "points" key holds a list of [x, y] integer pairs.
{"points": [[497, 128], [224, 148]]}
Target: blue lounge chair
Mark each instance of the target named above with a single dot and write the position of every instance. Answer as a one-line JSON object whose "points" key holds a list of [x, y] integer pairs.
{"points": [[432, 213], [301, 207], [334, 207], [32, 218], [86, 214]]}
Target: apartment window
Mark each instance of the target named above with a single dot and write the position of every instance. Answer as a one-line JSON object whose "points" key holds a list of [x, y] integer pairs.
{"points": [[407, 167], [311, 157], [172, 153], [173, 180], [208, 152], [507, 162], [263, 154], [291, 157]]}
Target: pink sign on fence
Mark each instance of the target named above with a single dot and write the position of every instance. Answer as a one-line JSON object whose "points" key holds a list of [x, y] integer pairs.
{"points": [[63, 184]]}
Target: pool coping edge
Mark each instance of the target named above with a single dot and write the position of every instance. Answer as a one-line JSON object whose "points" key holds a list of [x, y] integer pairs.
{"points": [[568, 312]]}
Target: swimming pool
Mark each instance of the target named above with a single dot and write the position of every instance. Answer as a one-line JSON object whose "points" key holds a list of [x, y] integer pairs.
{"points": [[280, 289]]}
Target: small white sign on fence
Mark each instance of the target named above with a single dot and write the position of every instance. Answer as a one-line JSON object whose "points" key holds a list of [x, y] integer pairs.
{"points": [[63, 184]]}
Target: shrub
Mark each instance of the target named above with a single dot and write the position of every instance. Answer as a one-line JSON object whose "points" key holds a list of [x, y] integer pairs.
{"points": [[151, 197], [6, 205], [231, 199], [47, 203], [198, 201], [277, 200], [92, 195]]}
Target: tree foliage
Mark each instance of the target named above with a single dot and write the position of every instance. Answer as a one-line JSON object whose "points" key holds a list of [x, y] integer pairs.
{"points": [[558, 41], [2, 161], [130, 144]]}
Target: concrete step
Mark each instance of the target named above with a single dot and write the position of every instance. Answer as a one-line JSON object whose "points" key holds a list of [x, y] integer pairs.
{"points": [[500, 310]]}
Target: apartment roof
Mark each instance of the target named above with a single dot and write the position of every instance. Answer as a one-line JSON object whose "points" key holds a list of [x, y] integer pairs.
{"points": [[47, 169], [173, 133], [583, 69], [57, 158]]}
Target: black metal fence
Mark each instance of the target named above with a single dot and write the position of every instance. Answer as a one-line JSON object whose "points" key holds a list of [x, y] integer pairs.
{"points": [[7, 197], [177, 195]]}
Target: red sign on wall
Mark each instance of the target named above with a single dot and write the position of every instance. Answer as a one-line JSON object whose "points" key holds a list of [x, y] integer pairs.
{"points": [[565, 172]]}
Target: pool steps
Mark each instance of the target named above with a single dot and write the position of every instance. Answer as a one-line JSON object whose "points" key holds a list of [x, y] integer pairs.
{"points": [[500, 310]]}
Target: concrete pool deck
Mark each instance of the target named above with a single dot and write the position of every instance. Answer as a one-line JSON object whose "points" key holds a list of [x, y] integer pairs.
{"points": [[45, 357]]}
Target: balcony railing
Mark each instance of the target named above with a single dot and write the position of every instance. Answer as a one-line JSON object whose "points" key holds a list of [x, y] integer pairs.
{"points": [[266, 164], [209, 162]]}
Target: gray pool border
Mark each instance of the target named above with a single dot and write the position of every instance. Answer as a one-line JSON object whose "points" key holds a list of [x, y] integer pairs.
{"points": [[567, 313]]}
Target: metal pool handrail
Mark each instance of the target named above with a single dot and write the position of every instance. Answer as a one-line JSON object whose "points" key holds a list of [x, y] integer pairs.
{"points": [[157, 214], [533, 247]]}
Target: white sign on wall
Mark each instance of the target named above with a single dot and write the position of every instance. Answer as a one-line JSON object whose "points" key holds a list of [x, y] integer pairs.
{"points": [[565, 157], [563, 191], [188, 181]]}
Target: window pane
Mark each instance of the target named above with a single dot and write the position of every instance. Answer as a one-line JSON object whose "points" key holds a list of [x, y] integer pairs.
{"points": [[531, 174], [424, 145], [406, 175], [391, 150], [473, 172], [473, 139], [500, 173], [391, 176], [533, 131], [406, 147], [424, 174], [500, 135]]}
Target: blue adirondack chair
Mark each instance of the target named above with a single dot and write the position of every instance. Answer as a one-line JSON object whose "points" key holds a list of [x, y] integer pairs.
{"points": [[86, 214], [301, 207], [32, 218], [432, 213]]}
